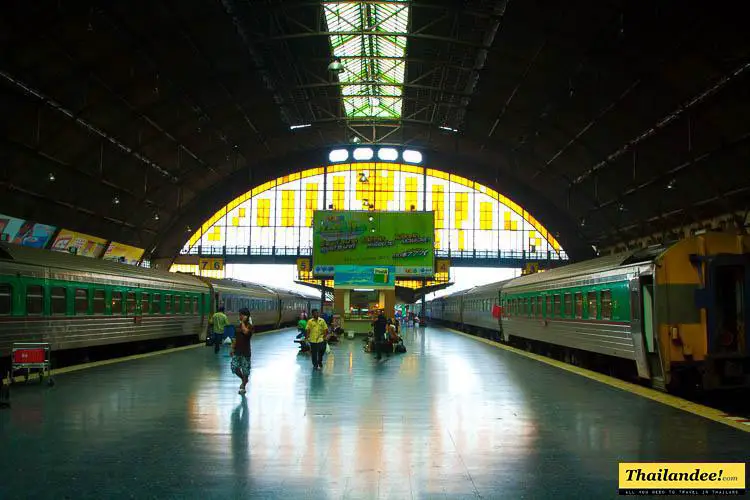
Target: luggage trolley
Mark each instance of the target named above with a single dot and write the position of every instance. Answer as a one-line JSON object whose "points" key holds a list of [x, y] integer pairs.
{"points": [[32, 356]]}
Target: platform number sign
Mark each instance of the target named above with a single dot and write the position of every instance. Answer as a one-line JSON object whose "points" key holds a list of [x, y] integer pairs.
{"points": [[211, 264], [530, 268], [304, 265]]}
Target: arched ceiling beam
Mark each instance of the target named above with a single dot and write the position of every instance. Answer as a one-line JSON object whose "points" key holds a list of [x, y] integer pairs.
{"points": [[88, 126]]}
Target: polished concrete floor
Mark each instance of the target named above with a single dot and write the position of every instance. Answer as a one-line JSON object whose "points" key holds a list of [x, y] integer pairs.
{"points": [[451, 418]]}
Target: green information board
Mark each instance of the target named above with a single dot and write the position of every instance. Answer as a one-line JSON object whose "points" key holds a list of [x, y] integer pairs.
{"points": [[400, 239]]}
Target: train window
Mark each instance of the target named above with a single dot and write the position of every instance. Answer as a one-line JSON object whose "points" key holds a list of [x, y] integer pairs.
{"points": [[116, 302], [82, 301], [195, 305], [59, 300], [34, 299], [6, 296], [177, 304], [533, 306], [579, 305], [568, 305], [98, 301], [157, 303], [591, 302], [130, 303], [167, 304], [557, 305], [145, 303], [606, 304], [539, 307]]}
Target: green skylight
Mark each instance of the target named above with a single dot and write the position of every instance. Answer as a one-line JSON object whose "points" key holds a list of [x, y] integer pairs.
{"points": [[374, 63]]}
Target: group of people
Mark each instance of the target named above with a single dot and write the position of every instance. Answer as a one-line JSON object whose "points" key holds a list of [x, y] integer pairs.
{"points": [[385, 335], [314, 330], [316, 334]]}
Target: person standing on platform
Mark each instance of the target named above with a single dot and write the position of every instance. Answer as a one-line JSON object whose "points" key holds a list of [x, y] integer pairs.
{"points": [[241, 349], [316, 331], [379, 328], [219, 323]]}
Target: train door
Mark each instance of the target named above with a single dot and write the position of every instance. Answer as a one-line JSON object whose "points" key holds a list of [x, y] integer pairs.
{"points": [[642, 329], [727, 305], [650, 332]]}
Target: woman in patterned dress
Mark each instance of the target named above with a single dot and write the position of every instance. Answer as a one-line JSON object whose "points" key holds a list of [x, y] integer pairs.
{"points": [[241, 348]]}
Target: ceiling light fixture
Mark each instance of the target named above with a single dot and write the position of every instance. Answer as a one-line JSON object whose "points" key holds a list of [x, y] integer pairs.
{"points": [[116, 200], [363, 154], [448, 129], [387, 154], [338, 155], [412, 156], [51, 177], [295, 127], [336, 66]]}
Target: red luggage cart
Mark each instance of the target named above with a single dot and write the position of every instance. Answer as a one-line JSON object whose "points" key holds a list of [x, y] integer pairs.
{"points": [[28, 356]]}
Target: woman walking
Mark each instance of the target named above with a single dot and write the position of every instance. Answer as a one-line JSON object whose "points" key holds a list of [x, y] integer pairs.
{"points": [[241, 348]]}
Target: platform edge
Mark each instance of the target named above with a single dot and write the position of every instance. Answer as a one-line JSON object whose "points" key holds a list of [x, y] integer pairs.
{"points": [[645, 392]]}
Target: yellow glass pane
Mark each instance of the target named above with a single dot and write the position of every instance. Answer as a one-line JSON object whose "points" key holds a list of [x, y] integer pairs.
{"points": [[514, 225], [343, 167], [485, 215], [263, 216], [339, 183], [311, 202], [242, 212], [461, 209], [461, 240]]}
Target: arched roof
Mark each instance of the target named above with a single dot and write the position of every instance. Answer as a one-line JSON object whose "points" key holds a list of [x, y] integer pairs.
{"points": [[606, 119]]}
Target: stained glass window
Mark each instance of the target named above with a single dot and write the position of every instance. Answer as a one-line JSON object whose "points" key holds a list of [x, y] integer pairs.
{"points": [[470, 219]]}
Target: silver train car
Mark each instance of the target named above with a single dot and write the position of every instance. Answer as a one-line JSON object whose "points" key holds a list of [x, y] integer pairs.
{"points": [[75, 302], [671, 316], [269, 307]]}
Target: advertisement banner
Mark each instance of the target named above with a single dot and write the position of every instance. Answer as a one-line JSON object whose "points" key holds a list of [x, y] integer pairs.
{"points": [[24, 232], [403, 240], [682, 478], [79, 244], [125, 254], [365, 277]]}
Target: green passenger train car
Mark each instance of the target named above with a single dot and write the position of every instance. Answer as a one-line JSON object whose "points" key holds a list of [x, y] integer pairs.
{"points": [[73, 302], [76, 302]]}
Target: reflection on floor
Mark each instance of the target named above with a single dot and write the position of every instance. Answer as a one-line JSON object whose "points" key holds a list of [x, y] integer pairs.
{"points": [[451, 418]]}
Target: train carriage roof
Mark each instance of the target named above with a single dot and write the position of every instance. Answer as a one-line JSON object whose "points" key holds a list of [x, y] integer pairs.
{"points": [[599, 264], [64, 261], [489, 288], [237, 286]]}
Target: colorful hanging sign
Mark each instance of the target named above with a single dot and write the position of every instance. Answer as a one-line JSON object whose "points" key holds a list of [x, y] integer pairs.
{"points": [[24, 232], [79, 244], [125, 254], [364, 277], [404, 240]]}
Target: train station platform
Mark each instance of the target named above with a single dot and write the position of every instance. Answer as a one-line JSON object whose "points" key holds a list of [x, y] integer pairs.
{"points": [[451, 418]]}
